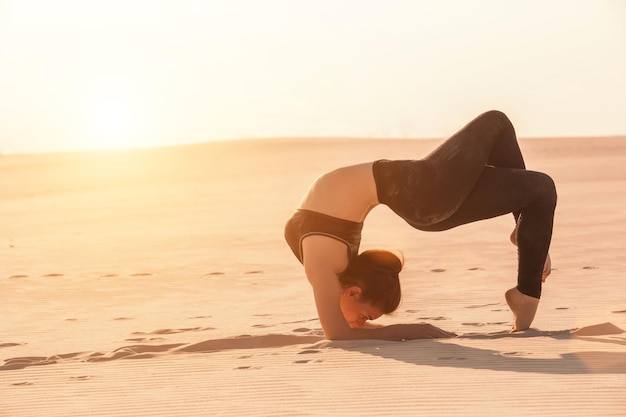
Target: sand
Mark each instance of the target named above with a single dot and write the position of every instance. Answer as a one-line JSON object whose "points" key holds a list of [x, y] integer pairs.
{"points": [[156, 282]]}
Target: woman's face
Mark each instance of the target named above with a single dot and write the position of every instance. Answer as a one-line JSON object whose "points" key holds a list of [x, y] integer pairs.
{"points": [[355, 311]]}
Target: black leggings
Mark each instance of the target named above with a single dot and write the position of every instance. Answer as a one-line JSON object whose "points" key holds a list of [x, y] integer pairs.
{"points": [[478, 173]]}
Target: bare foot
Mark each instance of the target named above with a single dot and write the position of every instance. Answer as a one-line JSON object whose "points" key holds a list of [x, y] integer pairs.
{"points": [[547, 267], [523, 307], [513, 236]]}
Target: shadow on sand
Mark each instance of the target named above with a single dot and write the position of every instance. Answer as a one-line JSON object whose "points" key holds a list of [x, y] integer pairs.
{"points": [[439, 352], [453, 353]]}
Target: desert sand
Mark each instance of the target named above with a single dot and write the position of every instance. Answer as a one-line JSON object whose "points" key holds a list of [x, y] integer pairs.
{"points": [[156, 282]]}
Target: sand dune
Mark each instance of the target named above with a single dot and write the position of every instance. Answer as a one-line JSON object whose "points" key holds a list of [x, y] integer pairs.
{"points": [[156, 282]]}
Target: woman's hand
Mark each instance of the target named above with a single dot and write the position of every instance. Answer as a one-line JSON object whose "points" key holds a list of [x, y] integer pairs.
{"points": [[428, 331], [324, 258]]}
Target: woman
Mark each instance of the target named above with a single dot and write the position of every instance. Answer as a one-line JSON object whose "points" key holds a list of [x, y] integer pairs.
{"points": [[476, 174]]}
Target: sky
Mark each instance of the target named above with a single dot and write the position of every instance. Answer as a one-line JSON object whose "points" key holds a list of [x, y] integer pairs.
{"points": [[88, 74]]}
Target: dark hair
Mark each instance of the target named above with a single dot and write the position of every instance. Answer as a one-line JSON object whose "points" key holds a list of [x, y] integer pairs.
{"points": [[376, 273]]}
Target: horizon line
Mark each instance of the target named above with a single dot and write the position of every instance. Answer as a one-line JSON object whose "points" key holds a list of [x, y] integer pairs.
{"points": [[278, 139]]}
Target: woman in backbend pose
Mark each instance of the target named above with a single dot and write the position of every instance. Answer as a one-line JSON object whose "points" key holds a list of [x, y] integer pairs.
{"points": [[476, 174]]}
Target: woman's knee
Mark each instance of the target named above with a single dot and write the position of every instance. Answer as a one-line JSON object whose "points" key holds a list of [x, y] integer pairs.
{"points": [[497, 118], [494, 124], [547, 189]]}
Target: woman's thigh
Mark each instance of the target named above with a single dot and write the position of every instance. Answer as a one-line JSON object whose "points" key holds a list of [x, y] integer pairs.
{"points": [[497, 191]]}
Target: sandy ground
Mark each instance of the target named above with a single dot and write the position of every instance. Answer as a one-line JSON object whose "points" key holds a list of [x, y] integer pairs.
{"points": [[157, 282]]}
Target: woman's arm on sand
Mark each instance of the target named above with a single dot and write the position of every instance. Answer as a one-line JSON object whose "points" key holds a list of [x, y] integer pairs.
{"points": [[336, 328], [321, 261]]}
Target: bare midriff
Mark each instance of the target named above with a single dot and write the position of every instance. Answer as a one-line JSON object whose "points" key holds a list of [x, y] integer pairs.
{"points": [[347, 193]]}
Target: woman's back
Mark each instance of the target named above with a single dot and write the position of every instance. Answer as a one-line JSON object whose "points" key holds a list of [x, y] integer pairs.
{"points": [[347, 193]]}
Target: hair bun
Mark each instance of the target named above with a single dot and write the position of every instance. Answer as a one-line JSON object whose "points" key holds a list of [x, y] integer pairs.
{"points": [[382, 260]]}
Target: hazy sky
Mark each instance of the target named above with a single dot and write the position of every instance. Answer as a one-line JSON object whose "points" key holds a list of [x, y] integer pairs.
{"points": [[88, 74]]}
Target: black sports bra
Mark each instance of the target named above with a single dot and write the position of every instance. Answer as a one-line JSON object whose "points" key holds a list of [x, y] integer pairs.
{"points": [[307, 222]]}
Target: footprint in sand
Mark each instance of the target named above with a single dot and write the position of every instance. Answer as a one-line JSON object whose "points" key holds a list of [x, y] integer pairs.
{"points": [[141, 274], [253, 272], [498, 323], [562, 308], [71, 319], [619, 311], [24, 362], [22, 384], [201, 317], [123, 318], [3, 345], [53, 275], [143, 339], [515, 353], [475, 269], [308, 351], [81, 377], [248, 367], [262, 326], [589, 267], [438, 270], [172, 331], [19, 276], [482, 305], [299, 321], [301, 330], [433, 318], [449, 358], [411, 311], [598, 330], [309, 332], [215, 273], [108, 275]]}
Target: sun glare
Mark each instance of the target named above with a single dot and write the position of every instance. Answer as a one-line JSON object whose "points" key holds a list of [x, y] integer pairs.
{"points": [[110, 117], [109, 124], [78, 74]]}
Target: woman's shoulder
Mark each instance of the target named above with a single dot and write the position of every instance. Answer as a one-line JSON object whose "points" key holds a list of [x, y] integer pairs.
{"points": [[324, 254]]}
